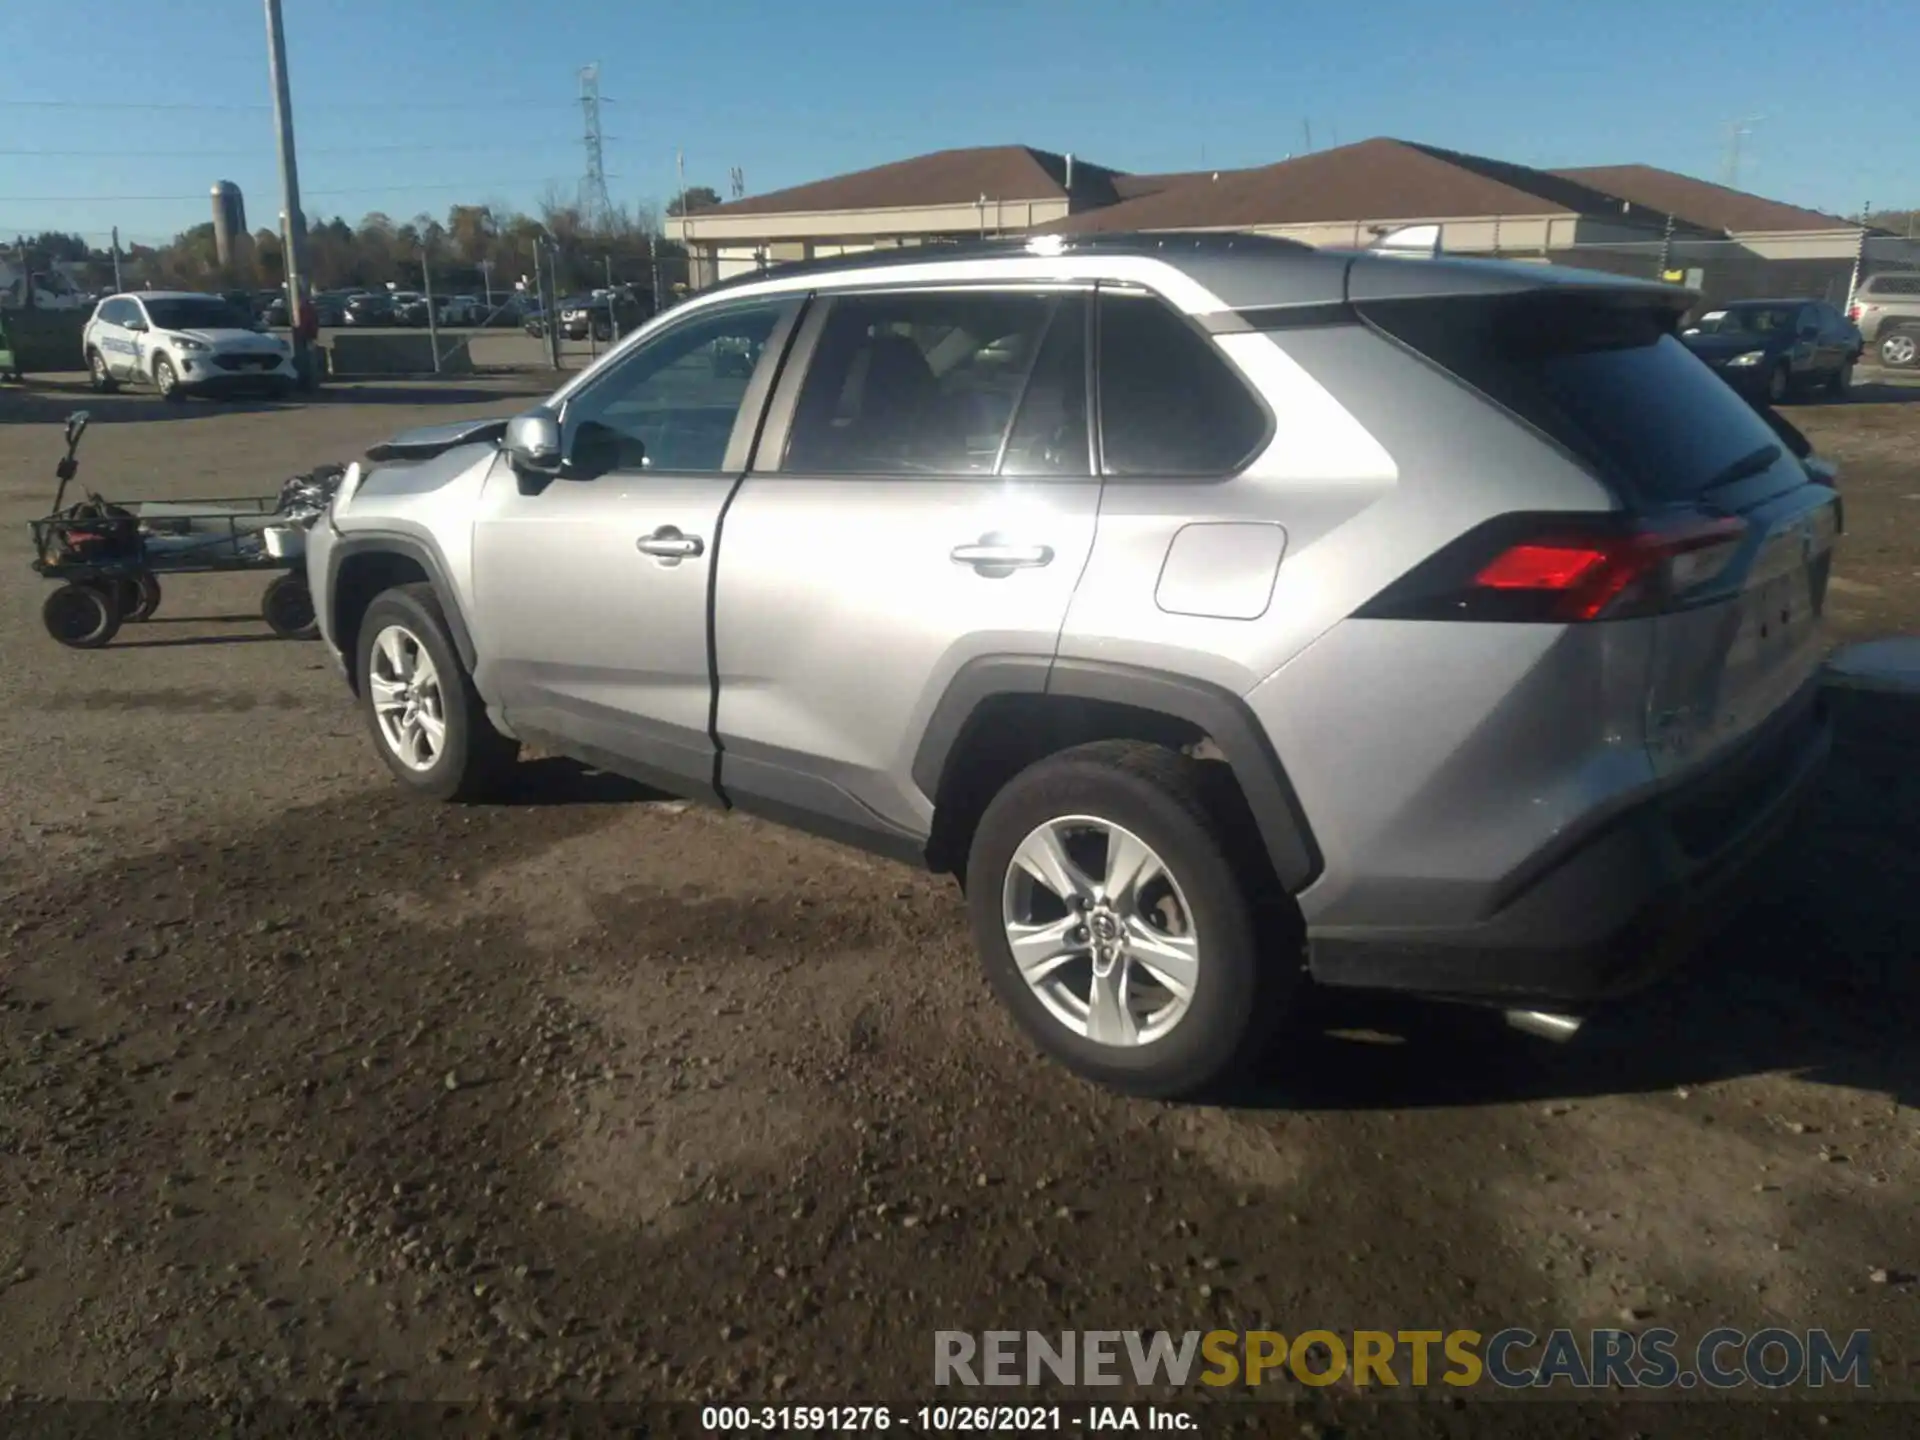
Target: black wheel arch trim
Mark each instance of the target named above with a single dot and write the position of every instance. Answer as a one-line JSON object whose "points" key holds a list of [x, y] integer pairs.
{"points": [[423, 553], [1221, 714]]}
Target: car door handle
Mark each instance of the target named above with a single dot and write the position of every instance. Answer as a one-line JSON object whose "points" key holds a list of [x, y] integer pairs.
{"points": [[667, 543], [986, 556]]}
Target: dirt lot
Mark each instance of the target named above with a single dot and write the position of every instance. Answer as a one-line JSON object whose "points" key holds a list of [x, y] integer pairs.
{"points": [[306, 1091]]}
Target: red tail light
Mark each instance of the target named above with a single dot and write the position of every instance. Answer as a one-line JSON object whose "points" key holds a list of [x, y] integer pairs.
{"points": [[1853, 313], [1560, 570]]}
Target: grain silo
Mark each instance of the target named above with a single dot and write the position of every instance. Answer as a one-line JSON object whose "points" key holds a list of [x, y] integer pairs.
{"points": [[229, 221]]}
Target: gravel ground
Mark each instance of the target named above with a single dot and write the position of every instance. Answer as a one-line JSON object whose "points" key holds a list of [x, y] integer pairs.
{"points": [[308, 1092]]}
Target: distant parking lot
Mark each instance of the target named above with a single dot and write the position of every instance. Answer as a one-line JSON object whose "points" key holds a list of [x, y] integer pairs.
{"points": [[306, 1090]]}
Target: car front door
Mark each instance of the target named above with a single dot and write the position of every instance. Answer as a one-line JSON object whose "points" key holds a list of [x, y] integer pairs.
{"points": [[923, 496], [591, 589], [1812, 350], [114, 337], [1836, 335]]}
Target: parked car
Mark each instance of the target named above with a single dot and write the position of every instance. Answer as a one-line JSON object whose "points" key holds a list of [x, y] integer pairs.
{"points": [[461, 310], [1886, 307], [602, 315], [183, 344], [1773, 349], [1488, 672], [371, 308]]}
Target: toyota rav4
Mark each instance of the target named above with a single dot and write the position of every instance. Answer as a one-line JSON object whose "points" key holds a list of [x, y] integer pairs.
{"points": [[1229, 617]]}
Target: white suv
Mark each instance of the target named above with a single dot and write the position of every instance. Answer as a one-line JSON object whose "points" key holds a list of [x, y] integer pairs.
{"points": [[182, 344]]}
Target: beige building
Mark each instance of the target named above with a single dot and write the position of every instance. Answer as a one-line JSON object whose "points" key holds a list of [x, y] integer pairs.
{"points": [[1634, 219], [949, 195]]}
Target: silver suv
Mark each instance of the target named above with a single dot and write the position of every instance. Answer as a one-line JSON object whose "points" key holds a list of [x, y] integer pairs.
{"points": [[1886, 307], [1230, 617]]}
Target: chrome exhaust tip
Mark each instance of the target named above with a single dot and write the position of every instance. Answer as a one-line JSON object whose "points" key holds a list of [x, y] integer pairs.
{"points": [[1545, 1023]]}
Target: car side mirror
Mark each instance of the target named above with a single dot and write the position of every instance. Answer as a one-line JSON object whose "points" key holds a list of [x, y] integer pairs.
{"points": [[532, 444], [137, 326]]}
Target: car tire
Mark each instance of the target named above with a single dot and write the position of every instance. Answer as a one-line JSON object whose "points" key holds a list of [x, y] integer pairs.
{"points": [[138, 596], [167, 381], [1203, 908], [81, 617], [1840, 384], [1779, 384], [471, 760], [1900, 349], [287, 607], [98, 376]]}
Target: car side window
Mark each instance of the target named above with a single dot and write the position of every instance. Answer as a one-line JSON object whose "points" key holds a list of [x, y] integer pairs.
{"points": [[1810, 318], [671, 404], [1170, 404], [1050, 430], [916, 382]]}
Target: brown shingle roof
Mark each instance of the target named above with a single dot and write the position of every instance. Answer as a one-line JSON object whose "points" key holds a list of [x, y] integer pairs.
{"points": [[946, 177], [1379, 179], [1714, 207], [1132, 187]]}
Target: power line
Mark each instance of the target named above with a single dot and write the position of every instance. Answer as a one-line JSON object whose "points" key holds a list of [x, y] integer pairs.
{"points": [[444, 107], [323, 150], [477, 186]]}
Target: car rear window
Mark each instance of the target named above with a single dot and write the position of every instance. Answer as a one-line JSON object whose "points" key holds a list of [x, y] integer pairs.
{"points": [[1894, 284], [1603, 378]]}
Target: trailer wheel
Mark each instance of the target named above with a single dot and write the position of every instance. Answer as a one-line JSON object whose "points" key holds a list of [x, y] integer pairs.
{"points": [[287, 608], [81, 617], [139, 596]]}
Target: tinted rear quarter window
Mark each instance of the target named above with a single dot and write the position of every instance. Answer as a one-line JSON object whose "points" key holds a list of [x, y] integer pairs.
{"points": [[1894, 284], [1170, 404], [1606, 380]]}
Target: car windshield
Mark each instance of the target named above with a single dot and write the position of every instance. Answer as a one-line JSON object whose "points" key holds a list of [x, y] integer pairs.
{"points": [[1751, 320], [196, 312]]}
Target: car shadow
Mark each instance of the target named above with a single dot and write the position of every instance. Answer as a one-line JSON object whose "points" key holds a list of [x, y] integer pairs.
{"points": [[1818, 977], [1870, 391], [556, 780], [181, 642]]}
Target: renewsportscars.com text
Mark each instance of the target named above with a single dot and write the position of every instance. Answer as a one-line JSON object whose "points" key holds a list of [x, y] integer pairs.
{"points": [[1513, 1358]]}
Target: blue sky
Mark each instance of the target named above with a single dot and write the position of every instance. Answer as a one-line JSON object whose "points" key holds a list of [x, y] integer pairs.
{"points": [[413, 105]]}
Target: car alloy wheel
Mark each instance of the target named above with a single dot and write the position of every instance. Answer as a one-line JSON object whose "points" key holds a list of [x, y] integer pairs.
{"points": [[408, 699], [1900, 349], [1101, 931]]}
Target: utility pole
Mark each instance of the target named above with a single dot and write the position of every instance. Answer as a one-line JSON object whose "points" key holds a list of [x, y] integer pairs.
{"points": [[1666, 248], [433, 318], [613, 306], [1859, 256], [295, 256], [116, 260]]}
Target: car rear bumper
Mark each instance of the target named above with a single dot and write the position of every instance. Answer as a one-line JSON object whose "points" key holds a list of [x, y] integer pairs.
{"points": [[1625, 904]]}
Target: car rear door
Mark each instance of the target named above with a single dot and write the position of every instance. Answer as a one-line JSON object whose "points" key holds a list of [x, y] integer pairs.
{"points": [[923, 497]]}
